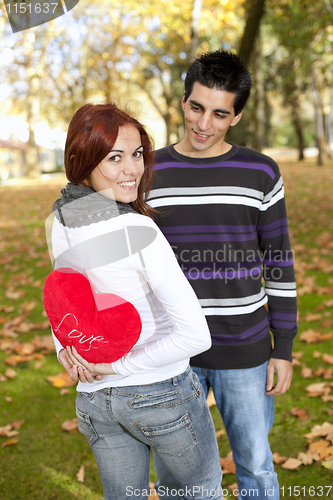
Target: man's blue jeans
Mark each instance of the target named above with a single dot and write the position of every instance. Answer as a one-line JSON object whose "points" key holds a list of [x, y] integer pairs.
{"points": [[248, 417], [122, 424]]}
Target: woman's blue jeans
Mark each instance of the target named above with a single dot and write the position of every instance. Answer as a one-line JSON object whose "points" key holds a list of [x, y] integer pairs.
{"points": [[248, 417], [122, 424]]}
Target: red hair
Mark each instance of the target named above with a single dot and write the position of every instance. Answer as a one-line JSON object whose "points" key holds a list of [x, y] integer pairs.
{"points": [[92, 132]]}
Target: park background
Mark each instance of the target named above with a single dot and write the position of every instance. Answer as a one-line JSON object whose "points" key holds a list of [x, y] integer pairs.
{"points": [[136, 54]]}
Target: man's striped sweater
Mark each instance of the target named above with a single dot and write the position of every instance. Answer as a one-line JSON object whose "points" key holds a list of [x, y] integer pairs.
{"points": [[225, 218]]}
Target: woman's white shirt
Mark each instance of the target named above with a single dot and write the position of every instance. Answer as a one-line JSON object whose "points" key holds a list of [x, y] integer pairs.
{"points": [[173, 325]]}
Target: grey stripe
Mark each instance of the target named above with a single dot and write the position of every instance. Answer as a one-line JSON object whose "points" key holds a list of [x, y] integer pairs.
{"points": [[233, 302], [280, 286], [276, 188], [235, 190]]}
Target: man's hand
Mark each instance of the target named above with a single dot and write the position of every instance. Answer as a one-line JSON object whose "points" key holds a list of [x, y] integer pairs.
{"points": [[74, 371], [284, 371]]}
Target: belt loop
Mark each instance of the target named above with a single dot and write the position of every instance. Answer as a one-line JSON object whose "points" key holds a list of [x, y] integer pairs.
{"points": [[174, 380]]}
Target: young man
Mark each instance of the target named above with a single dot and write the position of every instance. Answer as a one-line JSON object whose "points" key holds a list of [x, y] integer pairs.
{"points": [[222, 209]]}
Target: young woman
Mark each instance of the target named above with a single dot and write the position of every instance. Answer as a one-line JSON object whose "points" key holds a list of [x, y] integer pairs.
{"points": [[149, 398]]}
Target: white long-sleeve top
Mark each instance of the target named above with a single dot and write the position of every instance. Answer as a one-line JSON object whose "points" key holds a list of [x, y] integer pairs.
{"points": [[173, 325]]}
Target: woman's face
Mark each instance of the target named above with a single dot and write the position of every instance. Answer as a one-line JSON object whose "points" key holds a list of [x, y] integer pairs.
{"points": [[119, 174]]}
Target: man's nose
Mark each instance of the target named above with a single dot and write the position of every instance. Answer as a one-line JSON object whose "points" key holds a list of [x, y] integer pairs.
{"points": [[204, 122]]}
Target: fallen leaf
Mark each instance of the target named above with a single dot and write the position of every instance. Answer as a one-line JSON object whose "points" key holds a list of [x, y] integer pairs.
{"points": [[328, 303], [292, 464], [306, 372], [10, 442], [211, 399], [38, 365], [328, 359], [228, 464], [18, 424], [311, 336], [299, 412], [80, 474], [24, 348], [306, 458], [278, 459], [326, 452], [7, 431], [318, 445], [61, 380], [8, 399], [10, 373], [326, 398], [312, 317], [298, 354], [70, 425], [3, 378], [318, 389], [64, 391], [327, 323], [316, 354], [219, 433], [324, 429], [328, 464]]}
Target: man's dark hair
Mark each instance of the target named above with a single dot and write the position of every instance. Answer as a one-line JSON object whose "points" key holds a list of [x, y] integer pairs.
{"points": [[221, 70]]}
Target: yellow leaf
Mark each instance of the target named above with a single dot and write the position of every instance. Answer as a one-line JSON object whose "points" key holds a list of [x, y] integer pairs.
{"points": [[61, 380], [10, 442]]}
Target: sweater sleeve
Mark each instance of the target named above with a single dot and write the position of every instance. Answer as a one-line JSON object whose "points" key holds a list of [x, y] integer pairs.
{"points": [[189, 334], [278, 269]]}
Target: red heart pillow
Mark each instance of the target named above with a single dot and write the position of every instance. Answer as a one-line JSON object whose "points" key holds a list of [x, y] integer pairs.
{"points": [[102, 327]]}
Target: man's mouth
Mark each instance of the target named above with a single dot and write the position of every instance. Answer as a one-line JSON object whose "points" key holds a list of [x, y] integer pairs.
{"points": [[202, 137]]}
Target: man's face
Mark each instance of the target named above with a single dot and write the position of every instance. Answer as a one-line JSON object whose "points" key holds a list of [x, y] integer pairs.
{"points": [[208, 115]]}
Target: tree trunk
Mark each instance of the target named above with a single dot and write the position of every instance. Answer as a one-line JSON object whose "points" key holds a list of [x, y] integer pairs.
{"points": [[259, 107], [319, 119], [32, 78], [255, 12], [195, 24]]}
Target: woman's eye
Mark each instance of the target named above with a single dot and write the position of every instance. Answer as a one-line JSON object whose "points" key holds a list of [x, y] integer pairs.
{"points": [[138, 154], [115, 158]]}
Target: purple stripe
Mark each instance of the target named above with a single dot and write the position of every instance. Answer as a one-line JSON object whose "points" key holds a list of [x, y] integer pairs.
{"points": [[274, 315], [207, 229], [186, 267], [273, 225], [254, 333], [287, 325], [280, 263], [210, 237], [272, 234], [244, 273], [232, 164]]}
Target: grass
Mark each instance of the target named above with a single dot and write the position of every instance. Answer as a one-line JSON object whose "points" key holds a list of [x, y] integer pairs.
{"points": [[44, 462]]}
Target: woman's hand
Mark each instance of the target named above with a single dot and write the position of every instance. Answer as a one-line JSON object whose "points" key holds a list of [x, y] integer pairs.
{"points": [[94, 369], [74, 371]]}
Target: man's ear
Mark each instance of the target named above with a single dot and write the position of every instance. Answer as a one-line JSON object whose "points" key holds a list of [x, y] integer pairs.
{"points": [[236, 119], [183, 102]]}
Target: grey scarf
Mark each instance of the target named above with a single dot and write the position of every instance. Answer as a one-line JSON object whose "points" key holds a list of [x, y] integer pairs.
{"points": [[81, 206]]}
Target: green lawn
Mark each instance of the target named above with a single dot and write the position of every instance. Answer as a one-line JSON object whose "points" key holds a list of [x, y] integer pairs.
{"points": [[43, 463]]}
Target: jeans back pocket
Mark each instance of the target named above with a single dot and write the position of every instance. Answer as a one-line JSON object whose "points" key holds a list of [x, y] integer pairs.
{"points": [[175, 438]]}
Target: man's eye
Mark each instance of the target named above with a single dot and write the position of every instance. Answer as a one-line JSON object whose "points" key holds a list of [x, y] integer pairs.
{"points": [[220, 116], [195, 108]]}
